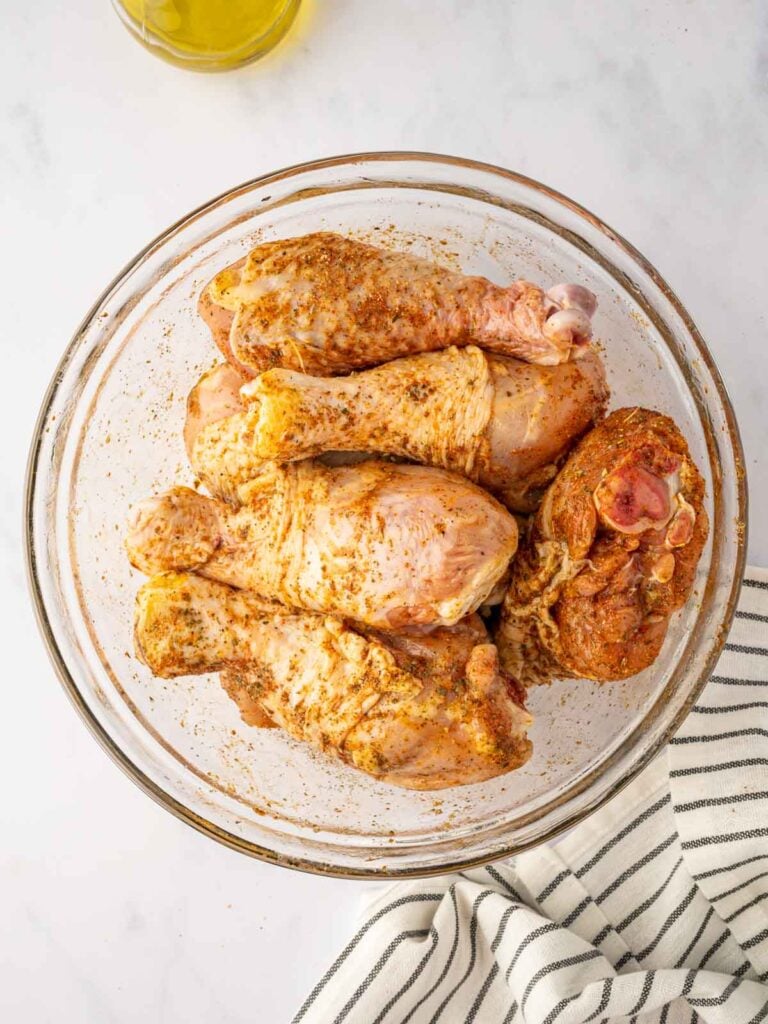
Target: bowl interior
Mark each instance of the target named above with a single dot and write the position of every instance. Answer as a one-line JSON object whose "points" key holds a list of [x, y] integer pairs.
{"points": [[111, 434]]}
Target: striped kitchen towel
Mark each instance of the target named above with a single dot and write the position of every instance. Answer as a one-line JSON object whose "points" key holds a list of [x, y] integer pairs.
{"points": [[654, 909]]}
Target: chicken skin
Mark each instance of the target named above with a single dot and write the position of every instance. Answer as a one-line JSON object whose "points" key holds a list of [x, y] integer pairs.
{"points": [[500, 422], [216, 396], [224, 459], [388, 545], [325, 304], [610, 555], [420, 712]]}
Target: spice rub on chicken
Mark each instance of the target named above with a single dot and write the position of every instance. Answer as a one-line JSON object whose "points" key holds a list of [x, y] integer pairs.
{"points": [[500, 422], [609, 556], [419, 711], [326, 304], [336, 591], [385, 544]]}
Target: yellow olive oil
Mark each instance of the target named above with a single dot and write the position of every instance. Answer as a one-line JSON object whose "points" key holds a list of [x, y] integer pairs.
{"points": [[208, 34]]}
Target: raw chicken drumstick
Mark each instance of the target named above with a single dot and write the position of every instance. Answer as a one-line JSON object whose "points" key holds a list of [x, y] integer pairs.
{"points": [[223, 458], [500, 422], [611, 554], [386, 544], [422, 712], [326, 304]]}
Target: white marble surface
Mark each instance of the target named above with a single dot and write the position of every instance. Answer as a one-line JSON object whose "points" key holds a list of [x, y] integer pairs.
{"points": [[654, 115]]}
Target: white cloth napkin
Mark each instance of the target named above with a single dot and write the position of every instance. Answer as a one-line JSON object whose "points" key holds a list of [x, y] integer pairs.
{"points": [[654, 909]]}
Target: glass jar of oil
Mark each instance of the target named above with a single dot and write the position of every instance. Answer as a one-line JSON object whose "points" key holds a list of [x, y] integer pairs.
{"points": [[208, 35]]}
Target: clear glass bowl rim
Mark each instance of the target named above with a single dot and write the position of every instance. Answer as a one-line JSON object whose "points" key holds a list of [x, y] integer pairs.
{"points": [[132, 770]]}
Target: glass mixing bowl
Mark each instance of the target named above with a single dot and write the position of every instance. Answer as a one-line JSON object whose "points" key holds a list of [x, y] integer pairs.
{"points": [[109, 433]]}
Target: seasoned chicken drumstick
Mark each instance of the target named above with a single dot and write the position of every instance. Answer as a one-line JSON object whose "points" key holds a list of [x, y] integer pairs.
{"points": [[385, 544], [500, 422], [610, 555], [423, 712], [325, 304], [224, 457]]}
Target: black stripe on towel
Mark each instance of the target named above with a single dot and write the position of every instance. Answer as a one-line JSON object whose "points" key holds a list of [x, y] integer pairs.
{"points": [[480, 997], [552, 885], [568, 921], [688, 983], [726, 837], [431, 897], [674, 916], [756, 939], [448, 962], [731, 867], [747, 906], [706, 769], [713, 949], [741, 885], [375, 971], [494, 967], [498, 877], [760, 1015], [413, 978], [622, 834], [555, 1012], [699, 932], [510, 1013], [557, 965], [725, 708], [732, 681], [746, 649], [727, 992], [719, 801], [502, 927], [731, 734], [472, 953], [606, 995], [634, 868], [545, 929], [647, 986], [641, 909], [752, 616]]}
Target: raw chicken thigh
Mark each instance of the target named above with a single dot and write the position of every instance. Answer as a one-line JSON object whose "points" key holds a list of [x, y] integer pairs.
{"points": [[610, 555]]}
